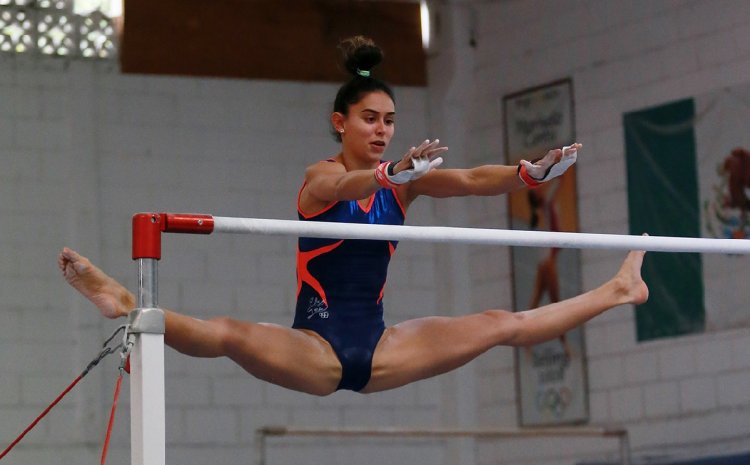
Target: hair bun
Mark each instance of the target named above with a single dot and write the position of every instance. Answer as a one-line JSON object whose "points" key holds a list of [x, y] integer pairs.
{"points": [[361, 55]]}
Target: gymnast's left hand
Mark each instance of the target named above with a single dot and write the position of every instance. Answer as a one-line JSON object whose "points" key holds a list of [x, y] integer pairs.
{"points": [[418, 161], [552, 165]]}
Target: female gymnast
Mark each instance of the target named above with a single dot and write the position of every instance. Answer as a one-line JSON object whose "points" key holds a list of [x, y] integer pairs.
{"points": [[338, 339]]}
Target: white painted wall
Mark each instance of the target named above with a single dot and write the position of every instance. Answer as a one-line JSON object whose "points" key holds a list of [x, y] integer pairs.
{"points": [[83, 147]]}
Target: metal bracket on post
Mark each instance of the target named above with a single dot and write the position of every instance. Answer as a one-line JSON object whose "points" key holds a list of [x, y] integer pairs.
{"points": [[146, 320]]}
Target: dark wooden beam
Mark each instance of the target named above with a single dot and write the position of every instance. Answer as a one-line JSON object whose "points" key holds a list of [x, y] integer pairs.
{"points": [[269, 39]]}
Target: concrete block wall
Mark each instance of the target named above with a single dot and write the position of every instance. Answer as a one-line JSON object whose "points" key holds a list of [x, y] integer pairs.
{"points": [[680, 397], [83, 148]]}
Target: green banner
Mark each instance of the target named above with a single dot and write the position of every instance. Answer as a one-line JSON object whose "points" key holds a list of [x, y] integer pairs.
{"points": [[663, 201]]}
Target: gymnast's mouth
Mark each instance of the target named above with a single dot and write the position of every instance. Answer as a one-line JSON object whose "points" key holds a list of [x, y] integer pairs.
{"points": [[378, 146]]}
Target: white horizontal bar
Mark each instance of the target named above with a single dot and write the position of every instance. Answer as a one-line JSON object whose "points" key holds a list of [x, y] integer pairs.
{"points": [[478, 236], [407, 432]]}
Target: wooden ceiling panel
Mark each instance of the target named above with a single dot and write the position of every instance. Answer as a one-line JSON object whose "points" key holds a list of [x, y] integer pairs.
{"points": [[269, 39]]}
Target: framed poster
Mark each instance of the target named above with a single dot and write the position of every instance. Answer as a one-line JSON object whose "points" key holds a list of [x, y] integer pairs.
{"points": [[550, 377]]}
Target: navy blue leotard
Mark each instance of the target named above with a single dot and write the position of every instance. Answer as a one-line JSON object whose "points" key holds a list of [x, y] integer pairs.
{"points": [[340, 284]]}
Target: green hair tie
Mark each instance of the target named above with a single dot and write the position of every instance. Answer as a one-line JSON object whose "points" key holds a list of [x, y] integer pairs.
{"points": [[363, 72]]}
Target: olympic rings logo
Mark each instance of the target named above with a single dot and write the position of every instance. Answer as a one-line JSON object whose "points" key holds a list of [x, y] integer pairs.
{"points": [[554, 401]]}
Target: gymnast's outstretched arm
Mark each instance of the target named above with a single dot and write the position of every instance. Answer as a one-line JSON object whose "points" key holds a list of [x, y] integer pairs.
{"points": [[333, 182], [487, 180]]}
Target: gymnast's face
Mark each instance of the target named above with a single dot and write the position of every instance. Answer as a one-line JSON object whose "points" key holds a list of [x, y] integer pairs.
{"points": [[369, 126]]}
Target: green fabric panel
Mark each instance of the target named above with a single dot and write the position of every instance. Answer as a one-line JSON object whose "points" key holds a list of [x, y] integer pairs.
{"points": [[663, 201]]}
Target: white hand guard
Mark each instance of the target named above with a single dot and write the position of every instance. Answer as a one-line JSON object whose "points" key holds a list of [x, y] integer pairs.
{"points": [[533, 174], [420, 166]]}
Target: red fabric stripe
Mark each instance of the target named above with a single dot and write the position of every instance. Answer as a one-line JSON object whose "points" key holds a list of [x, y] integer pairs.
{"points": [[391, 250], [398, 201], [303, 274]]}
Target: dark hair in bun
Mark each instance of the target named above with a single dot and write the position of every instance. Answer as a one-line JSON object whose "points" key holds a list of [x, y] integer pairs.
{"points": [[361, 56]]}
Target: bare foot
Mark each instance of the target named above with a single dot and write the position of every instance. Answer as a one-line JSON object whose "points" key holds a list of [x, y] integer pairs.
{"points": [[629, 281], [111, 298]]}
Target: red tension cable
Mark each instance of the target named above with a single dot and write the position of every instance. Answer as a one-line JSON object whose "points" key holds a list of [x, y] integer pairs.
{"points": [[111, 422], [41, 415]]}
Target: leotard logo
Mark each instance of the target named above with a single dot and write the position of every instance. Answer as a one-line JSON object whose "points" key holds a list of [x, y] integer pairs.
{"points": [[317, 307]]}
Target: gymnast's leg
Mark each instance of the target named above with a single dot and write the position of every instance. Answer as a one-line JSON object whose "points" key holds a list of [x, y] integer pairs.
{"points": [[426, 347], [295, 359]]}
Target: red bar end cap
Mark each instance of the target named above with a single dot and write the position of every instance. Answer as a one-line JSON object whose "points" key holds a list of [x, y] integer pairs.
{"points": [[147, 228]]}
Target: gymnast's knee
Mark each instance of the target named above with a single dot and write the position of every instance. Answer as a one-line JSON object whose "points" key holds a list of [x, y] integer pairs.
{"points": [[226, 332]]}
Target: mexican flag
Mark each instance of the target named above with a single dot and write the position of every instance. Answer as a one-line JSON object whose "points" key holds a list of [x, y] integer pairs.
{"points": [[688, 168]]}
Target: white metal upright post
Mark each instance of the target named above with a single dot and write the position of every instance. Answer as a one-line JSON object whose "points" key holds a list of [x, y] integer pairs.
{"points": [[147, 423], [147, 404]]}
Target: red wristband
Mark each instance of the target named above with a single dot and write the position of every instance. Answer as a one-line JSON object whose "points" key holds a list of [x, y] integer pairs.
{"points": [[526, 177], [381, 176]]}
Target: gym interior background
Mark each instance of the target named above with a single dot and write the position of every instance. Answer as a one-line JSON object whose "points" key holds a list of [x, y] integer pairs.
{"points": [[217, 107]]}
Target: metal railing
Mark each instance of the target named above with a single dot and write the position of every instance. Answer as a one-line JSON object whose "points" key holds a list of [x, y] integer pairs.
{"points": [[262, 434]]}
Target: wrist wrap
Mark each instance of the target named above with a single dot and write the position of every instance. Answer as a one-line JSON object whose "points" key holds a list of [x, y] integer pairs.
{"points": [[381, 175], [526, 177]]}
